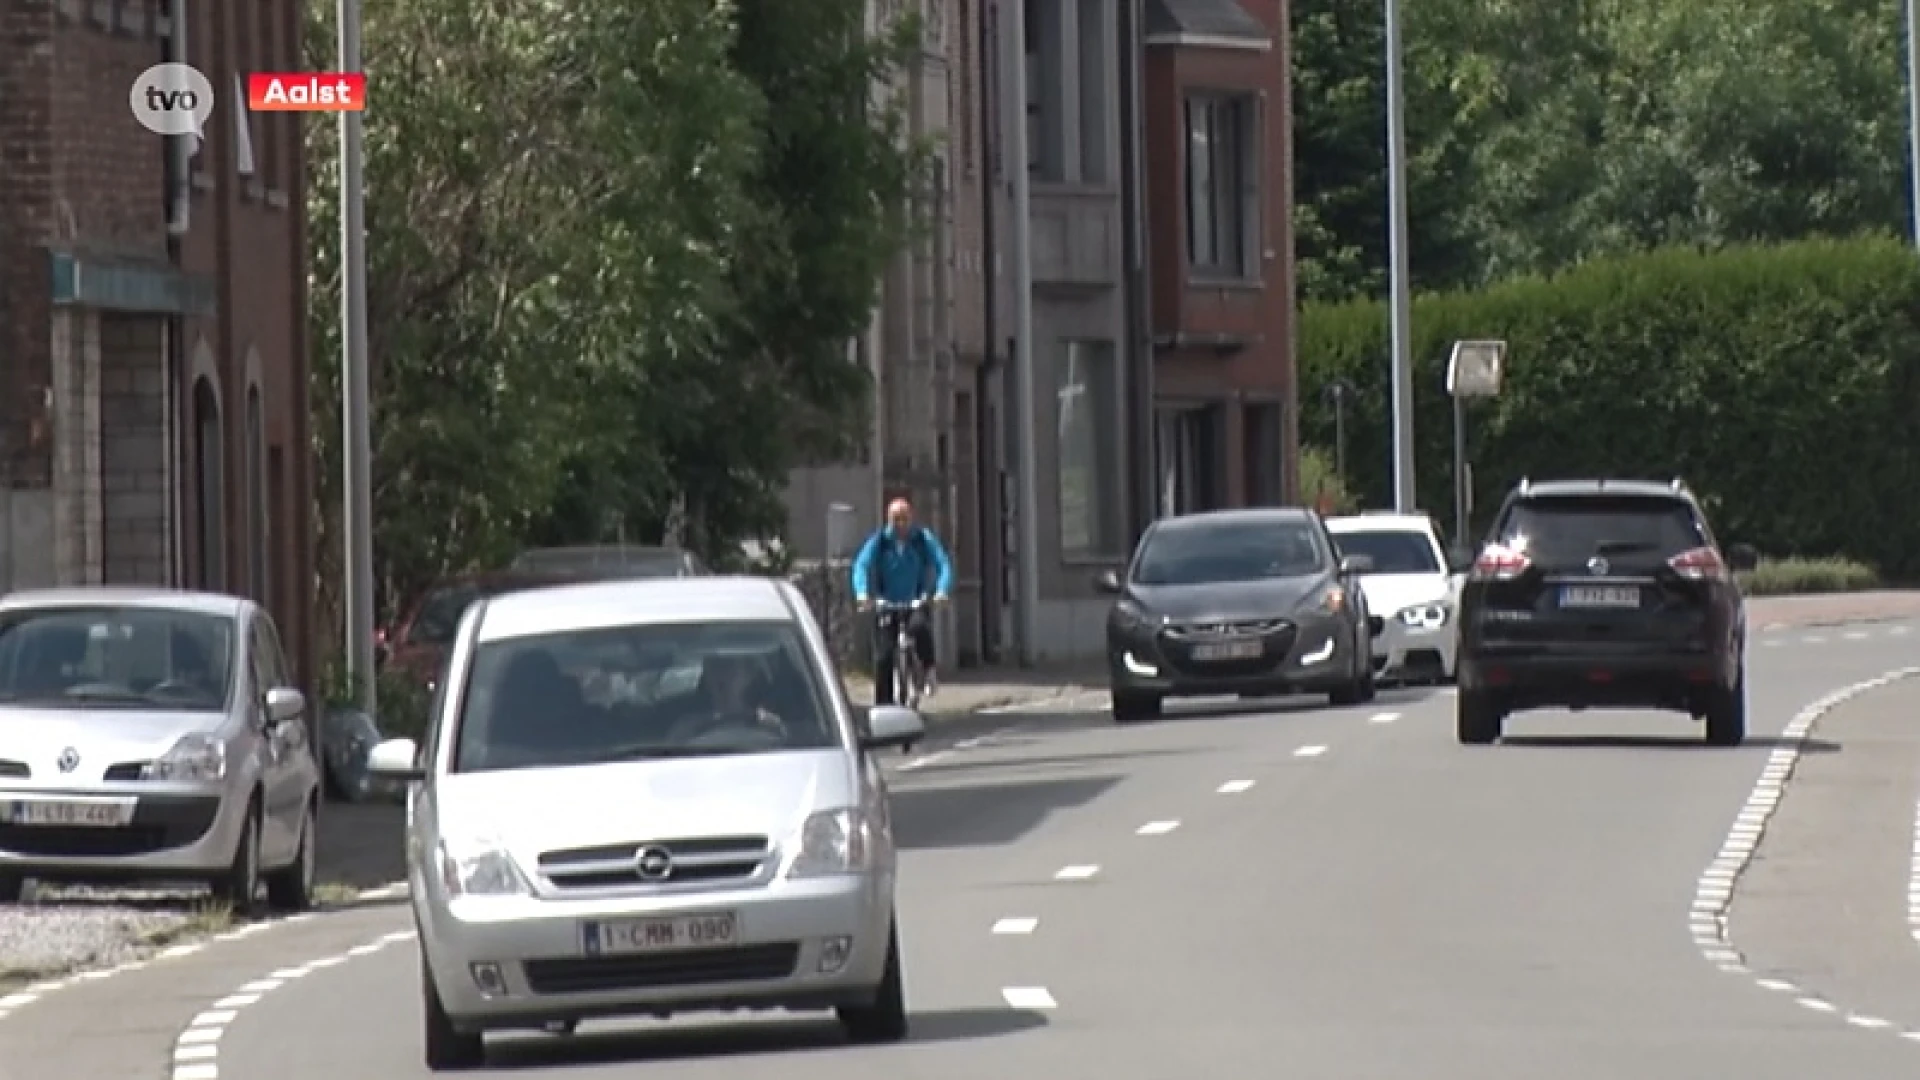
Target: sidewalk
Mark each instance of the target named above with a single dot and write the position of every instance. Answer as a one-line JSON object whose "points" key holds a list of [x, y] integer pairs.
{"points": [[972, 689], [1827, 609]]}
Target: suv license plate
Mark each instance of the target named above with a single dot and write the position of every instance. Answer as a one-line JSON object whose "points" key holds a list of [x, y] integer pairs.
{"points": [[1599, 596]]}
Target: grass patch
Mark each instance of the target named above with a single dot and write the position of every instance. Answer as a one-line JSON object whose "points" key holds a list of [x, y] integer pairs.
{"points": [[203, 919], [334, 894], [1783, 577]]}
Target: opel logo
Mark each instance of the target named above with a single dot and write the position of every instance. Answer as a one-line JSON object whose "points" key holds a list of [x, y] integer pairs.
{"points": [[68, 760], [1597, 566], [653, 863]]}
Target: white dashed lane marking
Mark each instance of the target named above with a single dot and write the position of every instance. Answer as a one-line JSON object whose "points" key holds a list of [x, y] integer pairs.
{"points": [[1157, 828], [1016, 926], [1310, 751], [1028, 997], [1384, 718], [1714, 895], [196, 1052], [1234, 787], [1076, 873]]}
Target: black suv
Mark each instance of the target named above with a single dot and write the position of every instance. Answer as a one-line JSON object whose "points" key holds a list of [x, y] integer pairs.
{"points": [[1603, 594]]}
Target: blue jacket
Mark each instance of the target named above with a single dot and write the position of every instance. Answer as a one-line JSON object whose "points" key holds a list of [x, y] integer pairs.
{"points": [[898, 570]]}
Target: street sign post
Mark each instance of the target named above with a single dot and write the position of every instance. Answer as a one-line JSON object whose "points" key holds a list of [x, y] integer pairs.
{"points": [[1474, 370]]}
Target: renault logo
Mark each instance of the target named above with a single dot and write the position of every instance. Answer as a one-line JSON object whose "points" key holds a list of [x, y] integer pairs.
{"points": [[653, 863], [68, 760], [1597, 566]]}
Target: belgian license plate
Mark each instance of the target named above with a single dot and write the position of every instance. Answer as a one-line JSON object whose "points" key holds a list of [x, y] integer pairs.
{"points": [[1227, 650], [625, 936], [95, 815], [1600, 596]]}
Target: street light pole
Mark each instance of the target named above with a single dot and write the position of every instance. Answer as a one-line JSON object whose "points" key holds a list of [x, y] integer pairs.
{"points": [[1913, 114], [1403, 497], [356, 439]]}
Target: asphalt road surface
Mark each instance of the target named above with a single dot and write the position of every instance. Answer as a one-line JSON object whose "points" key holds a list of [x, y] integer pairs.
{"points": [[1341, 894]]}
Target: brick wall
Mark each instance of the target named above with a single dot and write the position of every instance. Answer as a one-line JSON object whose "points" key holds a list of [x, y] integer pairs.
{"points": [[76, 456], [26, 66], [133, 466]]}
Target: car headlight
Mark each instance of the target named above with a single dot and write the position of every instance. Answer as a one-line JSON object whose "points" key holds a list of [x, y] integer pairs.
{"points": [[1331, 600], [480, 868], [1425, 616], [195, 757], [1129, 617], [832, 842]]}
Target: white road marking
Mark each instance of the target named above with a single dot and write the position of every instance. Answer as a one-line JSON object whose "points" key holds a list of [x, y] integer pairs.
{"points": [[1076, 873], [196, 1050], [1899, 631], [1234, 787], [14, 1001], [1016, 926], [1855, 635], [1028, 997], [1713, 895], [1815, 639], [1156, 828], [1771, 643], [1383, 718], [1310, 751], [925, 760]]}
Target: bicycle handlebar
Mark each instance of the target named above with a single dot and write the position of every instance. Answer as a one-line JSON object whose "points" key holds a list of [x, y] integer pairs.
{"points": [[881, 607]]}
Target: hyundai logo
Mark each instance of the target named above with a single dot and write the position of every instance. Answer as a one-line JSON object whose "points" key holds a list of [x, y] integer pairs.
{"points": [[653, 863], [68, 760], [1597, 566]]}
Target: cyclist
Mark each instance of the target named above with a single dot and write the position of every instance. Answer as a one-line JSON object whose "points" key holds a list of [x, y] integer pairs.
{"points": [[901, 562]]}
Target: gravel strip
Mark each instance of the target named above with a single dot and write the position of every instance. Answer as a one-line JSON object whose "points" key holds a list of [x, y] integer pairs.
{"points": [[62, 930]]}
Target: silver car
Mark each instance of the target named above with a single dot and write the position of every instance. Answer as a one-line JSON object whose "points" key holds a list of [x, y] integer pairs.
{"points": [[726, 846], [151, 733]]}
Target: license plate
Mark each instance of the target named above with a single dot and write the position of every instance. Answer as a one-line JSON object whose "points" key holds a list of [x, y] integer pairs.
{"points": [[1229, 650], [95, 815], [622, 936], [1600, 596]]}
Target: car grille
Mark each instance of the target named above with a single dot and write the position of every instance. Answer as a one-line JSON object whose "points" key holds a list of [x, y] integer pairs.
{"points": [[125, 771], [700, 860], [82, 842], [16, 770], [1180, 644], [692, 967]]}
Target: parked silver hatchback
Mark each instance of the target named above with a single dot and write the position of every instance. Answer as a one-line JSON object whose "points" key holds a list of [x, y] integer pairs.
{"points": [[589, 838], [152, 733]]}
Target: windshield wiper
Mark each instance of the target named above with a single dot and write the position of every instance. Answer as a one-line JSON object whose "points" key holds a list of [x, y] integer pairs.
{"points": [[648, 753]]}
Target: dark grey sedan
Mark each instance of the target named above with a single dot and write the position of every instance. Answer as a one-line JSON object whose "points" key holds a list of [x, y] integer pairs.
{"points": [[1249, 602]]}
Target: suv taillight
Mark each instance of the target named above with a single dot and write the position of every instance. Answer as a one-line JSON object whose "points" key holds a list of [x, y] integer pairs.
{"points": [[1498, 562], [1700, 564]]}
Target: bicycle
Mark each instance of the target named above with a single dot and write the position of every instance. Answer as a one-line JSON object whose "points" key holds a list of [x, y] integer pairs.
{"points": [[909, 679]]}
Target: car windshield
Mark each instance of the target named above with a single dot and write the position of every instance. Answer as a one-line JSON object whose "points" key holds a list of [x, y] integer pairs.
{"points": [[1393, 551], [1218, 552], [1572, 530], [631, 693], [625, 562], [439, 614], [116, 657]]}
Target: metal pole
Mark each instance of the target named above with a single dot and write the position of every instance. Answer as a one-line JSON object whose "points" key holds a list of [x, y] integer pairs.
{"points": [[1913, 113], [1139, 353], [1403, 498], [357, 515], [1020, 253], [1462, 484]]}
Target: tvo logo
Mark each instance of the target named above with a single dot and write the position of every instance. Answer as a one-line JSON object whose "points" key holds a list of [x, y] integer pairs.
{"points": [[172, 99]]}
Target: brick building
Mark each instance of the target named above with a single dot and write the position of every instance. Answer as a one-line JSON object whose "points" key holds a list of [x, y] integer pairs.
{"points": [[152, 298]]}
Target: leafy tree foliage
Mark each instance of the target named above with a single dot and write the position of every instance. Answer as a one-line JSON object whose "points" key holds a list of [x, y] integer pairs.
{"points": [[615, 249]]}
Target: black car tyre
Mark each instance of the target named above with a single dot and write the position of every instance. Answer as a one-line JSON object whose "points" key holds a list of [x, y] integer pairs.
{"points": [[13, 887], [448, 1049], [1131, 706], [1362, 688], [1477, 718], [239, 887], [883, 1020], [290, 888], [1727, 714]]}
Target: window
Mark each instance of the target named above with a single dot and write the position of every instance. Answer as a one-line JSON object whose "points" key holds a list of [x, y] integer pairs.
{"points": [[1087, 407], [1263, 454], [1393, 551], [962, 99], [1628, 531], [1095, 97], [209, 485], [1222, 182], [630, 693], [1220, 552], [1044, 133], [256, 498], [107, 658]]}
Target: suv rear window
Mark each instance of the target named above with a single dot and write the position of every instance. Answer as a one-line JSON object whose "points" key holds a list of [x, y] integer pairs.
{"points": [[1573, 529]]}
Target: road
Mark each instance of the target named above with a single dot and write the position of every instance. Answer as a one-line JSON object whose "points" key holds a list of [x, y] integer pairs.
{"points": [[1344, 894]]}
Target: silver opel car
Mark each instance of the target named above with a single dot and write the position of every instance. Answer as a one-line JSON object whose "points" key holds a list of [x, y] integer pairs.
{"points": [[578, 848], [150, 733]]}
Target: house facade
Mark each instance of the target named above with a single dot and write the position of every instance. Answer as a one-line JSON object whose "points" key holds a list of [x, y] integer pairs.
{"points": [[152, 299]]}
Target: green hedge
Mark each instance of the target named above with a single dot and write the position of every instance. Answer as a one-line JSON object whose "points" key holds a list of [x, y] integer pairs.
{"points": [[1787, 577], [1780, 382]]}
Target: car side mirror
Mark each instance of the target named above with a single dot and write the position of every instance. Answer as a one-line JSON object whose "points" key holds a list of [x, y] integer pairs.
{"points": [[1459, 559], [1107, 581], [1742, 557], [890, 726], [1356, 564], [285, 704], [396, 759]]}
